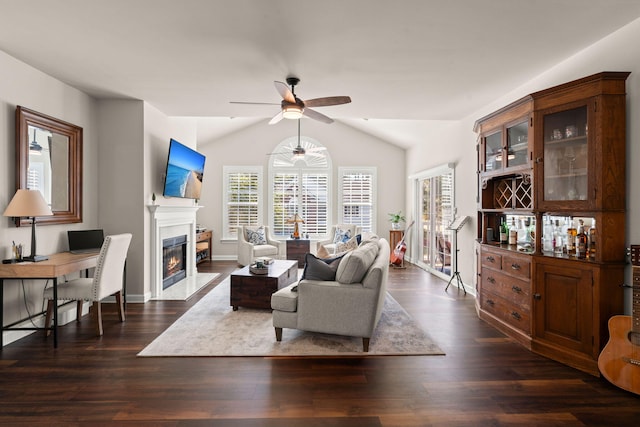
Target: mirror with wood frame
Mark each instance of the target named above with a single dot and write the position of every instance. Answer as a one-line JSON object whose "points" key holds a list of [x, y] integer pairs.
{"points": [[49, 159]]}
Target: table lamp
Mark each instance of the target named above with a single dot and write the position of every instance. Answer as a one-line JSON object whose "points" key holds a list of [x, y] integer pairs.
{"points": [[295, 220], [29, 203]]}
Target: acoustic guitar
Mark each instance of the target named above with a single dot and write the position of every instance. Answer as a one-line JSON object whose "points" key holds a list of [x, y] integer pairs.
{"points": [[397, 256], [619, 361]]}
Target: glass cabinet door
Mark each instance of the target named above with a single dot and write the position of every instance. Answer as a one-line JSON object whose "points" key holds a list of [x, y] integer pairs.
{"points": [[493, 152], [517, 144], [566, 155]]}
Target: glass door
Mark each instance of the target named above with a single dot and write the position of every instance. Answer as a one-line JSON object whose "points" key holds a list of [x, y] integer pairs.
{"points": [[435, 196], [518, 144], [566, 157], [493, 152]]}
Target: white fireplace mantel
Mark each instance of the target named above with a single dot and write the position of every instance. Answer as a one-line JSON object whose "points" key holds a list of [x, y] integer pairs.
{"points": [[171, 221]]}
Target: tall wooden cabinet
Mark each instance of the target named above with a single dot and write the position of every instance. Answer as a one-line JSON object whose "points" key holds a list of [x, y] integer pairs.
{"points": [[555, 153]]}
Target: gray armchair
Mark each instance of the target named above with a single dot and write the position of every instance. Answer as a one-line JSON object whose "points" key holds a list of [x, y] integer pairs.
{"points": [[247, 251]]}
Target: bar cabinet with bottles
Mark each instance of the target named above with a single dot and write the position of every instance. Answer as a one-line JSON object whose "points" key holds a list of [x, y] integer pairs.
{"points": [[545, 162]]}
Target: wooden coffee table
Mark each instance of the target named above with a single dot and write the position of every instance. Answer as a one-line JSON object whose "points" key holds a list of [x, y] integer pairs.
{"points": [[254, 290]]}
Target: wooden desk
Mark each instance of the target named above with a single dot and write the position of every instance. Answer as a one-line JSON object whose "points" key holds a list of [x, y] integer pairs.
{"points": [[57, 265]]}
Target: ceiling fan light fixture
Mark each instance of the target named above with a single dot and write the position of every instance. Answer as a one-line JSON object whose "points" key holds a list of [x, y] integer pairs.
{"points": [[34, 147], [292, 112]]}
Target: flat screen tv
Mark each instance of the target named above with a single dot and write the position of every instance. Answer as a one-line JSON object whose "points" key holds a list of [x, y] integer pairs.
{"points": [[185, 168]]}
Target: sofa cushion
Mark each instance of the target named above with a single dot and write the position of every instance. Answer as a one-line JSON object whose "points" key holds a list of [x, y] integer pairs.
{"points": [[320, 269], [354, 265], [264, 250], [286, 299], [256, 235]]}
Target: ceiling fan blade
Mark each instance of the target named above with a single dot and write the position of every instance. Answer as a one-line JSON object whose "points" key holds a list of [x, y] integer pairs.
{"points": [[276, 118], [311, 153], [313, 114], [253, 103], [316, 149], [326, 101], [285, 92]]}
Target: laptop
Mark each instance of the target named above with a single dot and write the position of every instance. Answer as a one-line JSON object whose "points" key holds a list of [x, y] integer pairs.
{"points": [[85, 241]]}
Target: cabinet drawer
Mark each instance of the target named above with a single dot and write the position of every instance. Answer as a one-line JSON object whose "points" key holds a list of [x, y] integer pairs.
{"points": [[204, 235], [512, 289], [491, 259], [517, 266], [506, 311]]}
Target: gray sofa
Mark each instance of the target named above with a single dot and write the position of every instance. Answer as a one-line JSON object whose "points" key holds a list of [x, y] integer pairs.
{"points": [[350, 308]]}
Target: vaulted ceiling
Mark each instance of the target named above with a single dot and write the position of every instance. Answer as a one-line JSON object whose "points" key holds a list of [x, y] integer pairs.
{"points": [[400, 61]]}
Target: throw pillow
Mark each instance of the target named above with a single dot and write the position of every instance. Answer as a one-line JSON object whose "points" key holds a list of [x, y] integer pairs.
{"points": [[349, 245], [320, 269], [256, 235], [323, 252], [355, 264], [341, 235]]}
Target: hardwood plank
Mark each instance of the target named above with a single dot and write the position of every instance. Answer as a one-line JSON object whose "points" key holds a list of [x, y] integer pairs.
{"points": [[484, 379]]}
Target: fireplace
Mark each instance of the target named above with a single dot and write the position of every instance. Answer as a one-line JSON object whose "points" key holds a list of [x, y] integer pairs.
{"points": [[174, 260], [168, 222]]}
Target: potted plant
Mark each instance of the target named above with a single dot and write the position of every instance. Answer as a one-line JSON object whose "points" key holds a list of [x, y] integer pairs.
{"points": [[396, 219]]}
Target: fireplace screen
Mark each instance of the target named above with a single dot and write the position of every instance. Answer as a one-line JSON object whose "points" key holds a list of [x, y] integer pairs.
{"points": [[174, 258]]}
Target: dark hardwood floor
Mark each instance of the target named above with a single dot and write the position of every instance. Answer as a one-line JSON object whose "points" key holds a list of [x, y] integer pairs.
{"points": [[485, 379]]}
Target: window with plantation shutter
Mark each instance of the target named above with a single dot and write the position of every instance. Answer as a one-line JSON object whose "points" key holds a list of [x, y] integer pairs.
{"points": [[285, 202], [300, 185], [356, 196], [314, 197], [305, 194], [242, 204]]}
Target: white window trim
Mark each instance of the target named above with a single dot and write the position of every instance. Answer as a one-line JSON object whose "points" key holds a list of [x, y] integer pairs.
{"points": [[371, 170], [228, 170]]}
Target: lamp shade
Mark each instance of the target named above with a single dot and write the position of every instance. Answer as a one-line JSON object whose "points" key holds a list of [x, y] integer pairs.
{"points": [[295, 219], [27, 203]]}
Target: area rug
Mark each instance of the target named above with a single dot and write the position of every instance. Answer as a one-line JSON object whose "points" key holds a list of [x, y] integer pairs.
{"points": [[212, 328]]}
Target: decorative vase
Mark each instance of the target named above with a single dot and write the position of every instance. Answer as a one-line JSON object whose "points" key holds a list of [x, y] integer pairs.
{"points": [[395, 226]]}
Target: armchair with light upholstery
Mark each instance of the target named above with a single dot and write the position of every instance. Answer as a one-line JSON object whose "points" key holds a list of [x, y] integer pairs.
{"points": [[247, 251], [330, 243]]}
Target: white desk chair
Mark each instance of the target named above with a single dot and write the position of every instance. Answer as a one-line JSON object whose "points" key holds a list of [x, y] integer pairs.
{"points": [[108, 279]]}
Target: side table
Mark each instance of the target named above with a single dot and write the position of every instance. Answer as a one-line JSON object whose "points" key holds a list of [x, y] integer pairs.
{"points": [[394, 238], [297, 249]]}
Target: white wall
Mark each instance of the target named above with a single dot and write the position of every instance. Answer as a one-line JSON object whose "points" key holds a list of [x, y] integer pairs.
{"points": [[121, 178], [346, 146], [23, 85], [134, 141], [613, 53]]}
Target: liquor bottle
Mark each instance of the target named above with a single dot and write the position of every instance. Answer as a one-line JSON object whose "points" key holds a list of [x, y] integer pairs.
{"points": [[581, 242], [571, 239], [557, 239], [548, 236], [592, 240], [513, 232]]}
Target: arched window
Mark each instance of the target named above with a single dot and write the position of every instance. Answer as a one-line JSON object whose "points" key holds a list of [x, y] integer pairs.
{"points": [[300, 172]]}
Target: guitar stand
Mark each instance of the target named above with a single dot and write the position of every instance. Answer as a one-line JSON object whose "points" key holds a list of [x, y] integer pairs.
{"points": [[454, 227], [398, 267]]}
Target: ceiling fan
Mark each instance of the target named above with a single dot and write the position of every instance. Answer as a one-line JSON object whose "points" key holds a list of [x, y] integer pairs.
{"points": [[298, 152], [293, 107]]}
